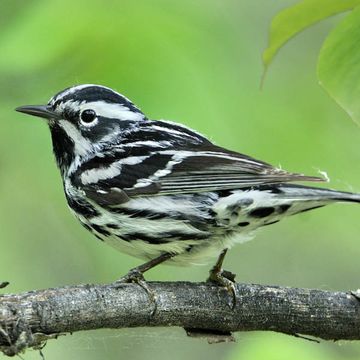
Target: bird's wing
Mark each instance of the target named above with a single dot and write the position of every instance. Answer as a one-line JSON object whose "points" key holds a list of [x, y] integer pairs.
{"points": [[185, 171], [208, 170], [192, 164]]}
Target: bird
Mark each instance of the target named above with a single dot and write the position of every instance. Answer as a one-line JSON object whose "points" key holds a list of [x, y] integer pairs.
{"points": [[160, 191]]}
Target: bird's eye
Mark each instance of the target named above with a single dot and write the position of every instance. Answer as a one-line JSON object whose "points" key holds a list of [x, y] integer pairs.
{"points": [[88, 116]]}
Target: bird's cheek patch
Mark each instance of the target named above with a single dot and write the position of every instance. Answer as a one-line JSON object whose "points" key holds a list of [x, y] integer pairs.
{"points": [[82, 145]]}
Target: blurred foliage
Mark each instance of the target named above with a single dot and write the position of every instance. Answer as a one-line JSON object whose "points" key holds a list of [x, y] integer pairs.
{"points": [[338, 64], [290, 21], [199, 63]]}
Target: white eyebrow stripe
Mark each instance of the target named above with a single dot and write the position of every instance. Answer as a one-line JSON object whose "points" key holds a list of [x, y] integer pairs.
{"points": [[111, 110]]}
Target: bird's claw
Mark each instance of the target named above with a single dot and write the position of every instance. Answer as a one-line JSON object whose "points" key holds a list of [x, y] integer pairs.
{"points": [[225, 279], [135, 276]]}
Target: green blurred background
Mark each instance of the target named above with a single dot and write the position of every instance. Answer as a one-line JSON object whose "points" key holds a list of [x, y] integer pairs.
{"points": [[199, 63]]}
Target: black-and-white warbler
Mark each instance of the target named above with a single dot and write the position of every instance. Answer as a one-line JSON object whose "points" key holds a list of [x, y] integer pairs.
{"points": [[159, 190]]}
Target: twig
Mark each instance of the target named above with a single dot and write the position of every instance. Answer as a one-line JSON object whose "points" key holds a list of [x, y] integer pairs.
{"points": [[29, 319], [4, 284]]}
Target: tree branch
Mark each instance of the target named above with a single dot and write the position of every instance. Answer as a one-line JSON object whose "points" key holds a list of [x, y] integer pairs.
{"points": [[29, 319]]}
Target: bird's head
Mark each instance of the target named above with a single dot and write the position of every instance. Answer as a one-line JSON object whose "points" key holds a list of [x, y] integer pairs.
{"points": [[85, 118]]}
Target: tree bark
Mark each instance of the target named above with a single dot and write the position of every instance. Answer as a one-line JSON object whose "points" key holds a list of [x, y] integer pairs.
{"points": [[28, 319]]}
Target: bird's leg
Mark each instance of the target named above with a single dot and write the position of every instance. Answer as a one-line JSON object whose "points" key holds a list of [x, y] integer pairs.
{"points": [[223, 278], [136, 275]]}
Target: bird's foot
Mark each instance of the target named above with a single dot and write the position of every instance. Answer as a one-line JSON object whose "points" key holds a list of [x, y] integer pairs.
{"points": [[225, 279], [137, 277], [133, 276]]}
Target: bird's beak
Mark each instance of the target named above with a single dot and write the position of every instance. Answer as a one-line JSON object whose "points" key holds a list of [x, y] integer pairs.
{"points": [[43, 111]]}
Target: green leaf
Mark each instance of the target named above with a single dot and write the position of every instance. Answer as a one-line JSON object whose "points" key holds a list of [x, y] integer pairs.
{"points": [[339, 64], [289, 22]]}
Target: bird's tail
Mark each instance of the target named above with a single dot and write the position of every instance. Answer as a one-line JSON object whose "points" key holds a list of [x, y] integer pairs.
{"points": [[304, 198], [300, 192]]}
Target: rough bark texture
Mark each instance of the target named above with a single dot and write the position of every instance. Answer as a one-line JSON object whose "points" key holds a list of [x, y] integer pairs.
{"points": [[29, 319]]}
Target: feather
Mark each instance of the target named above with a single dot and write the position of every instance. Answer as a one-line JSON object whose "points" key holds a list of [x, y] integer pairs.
{"points": [[190, 164]]}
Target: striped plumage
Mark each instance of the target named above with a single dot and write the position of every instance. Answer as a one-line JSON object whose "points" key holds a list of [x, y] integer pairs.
{"points": [[154, 187]]}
